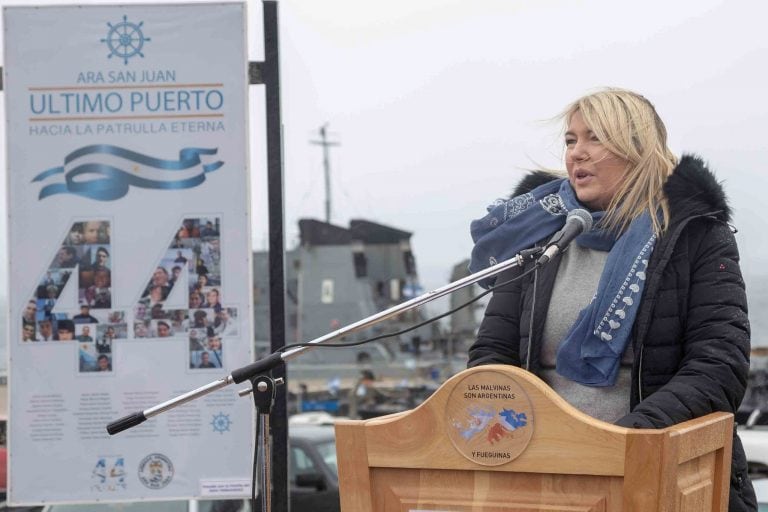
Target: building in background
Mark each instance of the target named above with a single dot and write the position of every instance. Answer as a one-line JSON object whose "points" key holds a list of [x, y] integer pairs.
{"points": [[340, 275]]}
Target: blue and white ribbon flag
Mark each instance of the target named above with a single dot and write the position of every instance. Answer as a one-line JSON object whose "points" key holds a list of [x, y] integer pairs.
{"points": [[105, 172]]}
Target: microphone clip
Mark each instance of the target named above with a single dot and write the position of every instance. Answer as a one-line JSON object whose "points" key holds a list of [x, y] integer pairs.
{"points": [[528, 255]]}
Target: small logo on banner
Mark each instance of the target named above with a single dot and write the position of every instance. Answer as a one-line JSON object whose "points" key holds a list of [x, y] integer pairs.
{"points": [[108, 474], [125, 40], [105, 172], [155, 471], [221, 423]]}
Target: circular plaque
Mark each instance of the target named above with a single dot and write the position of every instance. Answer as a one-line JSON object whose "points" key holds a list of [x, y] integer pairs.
{"points": [[490, 418]]}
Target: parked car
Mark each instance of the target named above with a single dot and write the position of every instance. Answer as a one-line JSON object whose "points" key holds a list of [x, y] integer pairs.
{"points": [[761, 490], [753, 432], [755, 441], [313, 473]]}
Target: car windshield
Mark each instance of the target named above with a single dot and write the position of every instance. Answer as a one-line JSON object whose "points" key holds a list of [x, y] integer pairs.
{"points": [[327, 451]]}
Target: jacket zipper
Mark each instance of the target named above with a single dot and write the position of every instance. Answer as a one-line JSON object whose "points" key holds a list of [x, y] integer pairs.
{"points": [[678, 230]]}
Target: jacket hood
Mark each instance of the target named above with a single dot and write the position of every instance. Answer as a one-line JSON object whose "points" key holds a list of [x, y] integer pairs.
{"points": [[691, 189], [532, 180]]}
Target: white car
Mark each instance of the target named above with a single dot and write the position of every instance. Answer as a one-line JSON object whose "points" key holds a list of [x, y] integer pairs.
{"points": [[754, 437]]}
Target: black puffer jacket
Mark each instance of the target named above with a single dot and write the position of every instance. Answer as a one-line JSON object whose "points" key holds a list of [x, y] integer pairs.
{"points": [[691, 333]]}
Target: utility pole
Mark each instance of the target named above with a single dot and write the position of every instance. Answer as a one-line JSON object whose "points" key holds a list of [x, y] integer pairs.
{"points": [[326, 167]]}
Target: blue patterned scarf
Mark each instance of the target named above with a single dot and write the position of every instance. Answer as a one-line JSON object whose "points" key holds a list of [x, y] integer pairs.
{"points": [[591, 351]]}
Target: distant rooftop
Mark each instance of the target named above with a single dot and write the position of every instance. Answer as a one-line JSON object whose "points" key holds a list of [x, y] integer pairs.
{"points": [[372, 233], [316, 232]]}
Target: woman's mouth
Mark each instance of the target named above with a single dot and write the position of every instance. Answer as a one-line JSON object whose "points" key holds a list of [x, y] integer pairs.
{"points": [[581, 177]]}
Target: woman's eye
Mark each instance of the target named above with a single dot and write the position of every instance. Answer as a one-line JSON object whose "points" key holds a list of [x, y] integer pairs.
{"points": [[570, 142]]}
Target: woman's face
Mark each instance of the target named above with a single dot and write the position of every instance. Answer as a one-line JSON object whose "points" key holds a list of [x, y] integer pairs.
{"points": [[594, 172], [91, 232]]}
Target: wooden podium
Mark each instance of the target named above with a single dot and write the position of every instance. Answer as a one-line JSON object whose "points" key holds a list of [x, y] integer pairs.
{"points": [[497, 439]]}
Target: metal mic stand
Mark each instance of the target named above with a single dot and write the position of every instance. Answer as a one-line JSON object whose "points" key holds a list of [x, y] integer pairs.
{"points": [[263, 387]]}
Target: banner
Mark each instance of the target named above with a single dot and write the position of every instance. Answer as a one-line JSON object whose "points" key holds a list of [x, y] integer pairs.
{"points": [[129, 249]]}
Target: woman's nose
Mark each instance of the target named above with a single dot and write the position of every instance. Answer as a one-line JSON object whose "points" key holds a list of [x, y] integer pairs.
{"points": [[579, 152]]}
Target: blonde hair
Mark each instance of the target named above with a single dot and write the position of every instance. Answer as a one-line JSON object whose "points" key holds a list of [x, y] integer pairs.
{"points": [[628, 126]]}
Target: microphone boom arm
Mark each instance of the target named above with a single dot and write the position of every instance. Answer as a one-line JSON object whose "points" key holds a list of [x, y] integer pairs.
{"points": [[264, 365]]}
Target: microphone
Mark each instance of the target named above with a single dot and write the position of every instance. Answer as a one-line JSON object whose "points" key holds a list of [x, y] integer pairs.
{"points": [[577, 222]]}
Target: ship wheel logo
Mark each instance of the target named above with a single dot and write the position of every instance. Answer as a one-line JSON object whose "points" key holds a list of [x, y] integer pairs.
{"points": [[221, 423], [125, 39]]}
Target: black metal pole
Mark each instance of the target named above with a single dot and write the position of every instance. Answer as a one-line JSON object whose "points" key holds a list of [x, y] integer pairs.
{"points": [[279, 416]]}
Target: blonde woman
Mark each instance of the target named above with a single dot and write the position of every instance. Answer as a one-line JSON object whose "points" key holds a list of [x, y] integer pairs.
{"points": [[641, 322]]}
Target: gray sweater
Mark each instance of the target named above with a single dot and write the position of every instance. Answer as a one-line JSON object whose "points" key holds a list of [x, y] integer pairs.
{"points": [[575, 285]]}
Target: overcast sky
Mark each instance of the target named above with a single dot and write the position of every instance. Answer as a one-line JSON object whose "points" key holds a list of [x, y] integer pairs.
{"points": [[439, 105]]}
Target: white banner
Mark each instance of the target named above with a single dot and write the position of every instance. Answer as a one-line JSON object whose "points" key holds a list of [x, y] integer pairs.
{"points": [[129, 249]]}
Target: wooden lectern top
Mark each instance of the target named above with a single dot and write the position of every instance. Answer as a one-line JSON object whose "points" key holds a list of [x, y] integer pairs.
{"points": [[497, 438]]}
